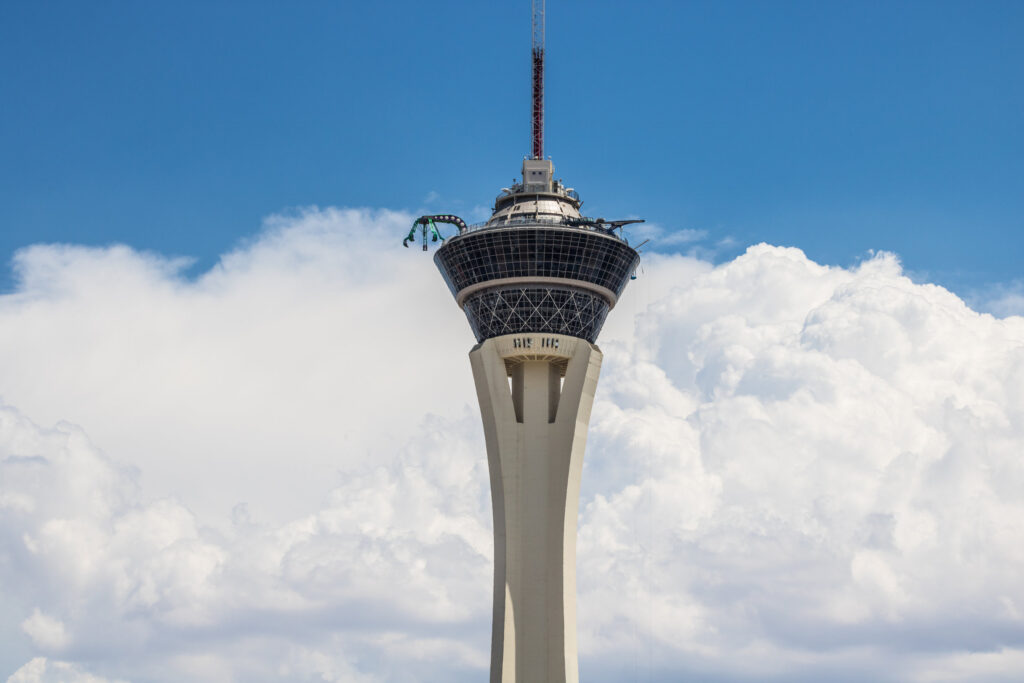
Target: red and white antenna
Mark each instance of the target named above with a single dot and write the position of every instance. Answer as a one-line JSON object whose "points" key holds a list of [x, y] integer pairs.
{"points": [[538, 79]]}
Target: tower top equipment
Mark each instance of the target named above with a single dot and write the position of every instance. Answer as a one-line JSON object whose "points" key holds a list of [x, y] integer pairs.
{"points": [[537, 265], [538, 78]]}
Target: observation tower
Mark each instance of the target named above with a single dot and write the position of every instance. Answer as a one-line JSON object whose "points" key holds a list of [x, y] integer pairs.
{"points": [[536, 282]]}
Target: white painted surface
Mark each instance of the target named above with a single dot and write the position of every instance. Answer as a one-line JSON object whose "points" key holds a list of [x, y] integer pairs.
{"points": [[536, 430]]}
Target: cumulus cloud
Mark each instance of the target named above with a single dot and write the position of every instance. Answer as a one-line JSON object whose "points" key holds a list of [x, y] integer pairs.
{"points": [[46, 632], [397, 546], [276, 470], [824, 459], [279, 364], [41, 670]]}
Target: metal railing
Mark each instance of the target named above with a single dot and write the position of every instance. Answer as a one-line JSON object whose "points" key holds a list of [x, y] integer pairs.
{"points": [[540, 188], [562, 221]]}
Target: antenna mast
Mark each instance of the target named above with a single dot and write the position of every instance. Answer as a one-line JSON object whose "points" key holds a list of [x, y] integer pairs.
{"points": [[538, 79]]}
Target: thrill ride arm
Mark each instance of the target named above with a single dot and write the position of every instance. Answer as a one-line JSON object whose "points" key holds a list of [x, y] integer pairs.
{"points": [[426, 225], [607, 226]]}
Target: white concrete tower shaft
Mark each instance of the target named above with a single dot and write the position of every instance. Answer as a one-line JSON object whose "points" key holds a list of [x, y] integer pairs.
{"points": [[536, 391]]}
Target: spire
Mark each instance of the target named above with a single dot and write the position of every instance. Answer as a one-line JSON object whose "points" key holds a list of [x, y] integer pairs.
{"points": [[538, 79]]}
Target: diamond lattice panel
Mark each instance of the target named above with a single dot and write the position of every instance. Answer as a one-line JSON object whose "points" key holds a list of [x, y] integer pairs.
{"points": [[559, 310]]}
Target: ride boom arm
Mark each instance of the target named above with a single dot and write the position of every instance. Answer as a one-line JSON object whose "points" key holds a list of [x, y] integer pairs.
{"points": [[426, 224]]}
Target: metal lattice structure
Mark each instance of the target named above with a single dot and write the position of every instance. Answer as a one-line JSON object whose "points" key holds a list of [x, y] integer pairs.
{"points": [[545, 310], [538, 78]]}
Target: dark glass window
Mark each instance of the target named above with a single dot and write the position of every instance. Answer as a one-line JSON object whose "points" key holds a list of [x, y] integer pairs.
{"points": [[536, 251]]}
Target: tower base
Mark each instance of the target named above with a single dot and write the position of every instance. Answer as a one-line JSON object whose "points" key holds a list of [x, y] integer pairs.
{"points": [[536, 392]]}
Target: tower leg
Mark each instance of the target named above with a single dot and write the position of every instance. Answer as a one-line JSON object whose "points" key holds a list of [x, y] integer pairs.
{"points": [[536, 392]]}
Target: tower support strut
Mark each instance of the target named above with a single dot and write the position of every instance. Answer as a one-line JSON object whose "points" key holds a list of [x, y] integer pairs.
{"points": [[536, 392]]}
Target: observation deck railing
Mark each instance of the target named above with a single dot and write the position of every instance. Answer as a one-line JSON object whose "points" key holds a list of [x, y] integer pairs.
{"points": [[562, 221]]}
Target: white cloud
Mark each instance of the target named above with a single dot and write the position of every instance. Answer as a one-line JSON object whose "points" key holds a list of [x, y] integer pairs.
{"points": [[289, 348], [795, 472], [400, 544], [815, 455], [42, 670], [46, 632]]}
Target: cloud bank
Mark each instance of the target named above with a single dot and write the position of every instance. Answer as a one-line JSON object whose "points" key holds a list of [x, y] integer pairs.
{"points": [[276, 471]]}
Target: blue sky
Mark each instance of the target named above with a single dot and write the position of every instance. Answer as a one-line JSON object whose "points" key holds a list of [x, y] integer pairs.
{"points": [[835, 127]]}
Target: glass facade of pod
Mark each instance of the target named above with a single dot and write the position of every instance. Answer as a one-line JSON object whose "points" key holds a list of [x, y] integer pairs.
{"points": [[536, 251], [489, 254]]}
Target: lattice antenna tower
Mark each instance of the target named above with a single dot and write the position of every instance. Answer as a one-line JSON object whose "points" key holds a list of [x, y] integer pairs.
{"points": [[538, 78]]}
